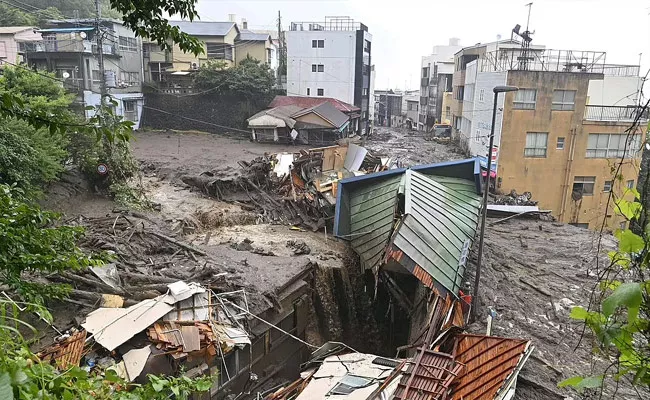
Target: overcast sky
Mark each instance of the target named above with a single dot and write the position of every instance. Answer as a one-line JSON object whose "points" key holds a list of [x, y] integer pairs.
{"points": [[405, 30]]}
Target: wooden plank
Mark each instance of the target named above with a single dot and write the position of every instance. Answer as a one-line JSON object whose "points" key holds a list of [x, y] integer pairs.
{"points": [[191, 341]]}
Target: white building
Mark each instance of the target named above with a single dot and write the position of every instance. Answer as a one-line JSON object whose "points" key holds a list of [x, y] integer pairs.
{"points": [[436, 76], [331, 59]]}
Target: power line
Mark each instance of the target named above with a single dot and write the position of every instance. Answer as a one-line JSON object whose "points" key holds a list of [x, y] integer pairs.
{"points": [[196, 120]]}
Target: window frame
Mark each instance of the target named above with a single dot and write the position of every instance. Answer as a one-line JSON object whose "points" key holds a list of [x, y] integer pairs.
{"points": [[318, 43], [308, 91], [126, 43], [558, 141], [481, 95], [609, 151], [320, 67], [313, 68], [607, 186], [220, 51], [584, 180], [523, 104], [533, 152], [320, 92], [562, 105], [629, 184]]}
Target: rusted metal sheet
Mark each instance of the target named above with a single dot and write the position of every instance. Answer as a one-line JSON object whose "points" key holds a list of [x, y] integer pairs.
{"points": [[66, 353], [489, 362], [431, 379]]}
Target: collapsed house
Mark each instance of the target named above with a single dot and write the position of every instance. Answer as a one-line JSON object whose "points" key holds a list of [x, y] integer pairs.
{"points": [[314, 121]]}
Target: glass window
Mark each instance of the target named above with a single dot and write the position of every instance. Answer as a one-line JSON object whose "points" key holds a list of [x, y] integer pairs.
{"points": [[612, 145], [477, 136], [313, 68], [321, 68], [560, 143], [630, 184], [583, 186], [128, 43], [219, 51], [481, 95], [536, 144], [318, 44], [607, 187], [308, 91], [321, 92], [623, 225], [314, 43], [525, 99], [563, 100]]}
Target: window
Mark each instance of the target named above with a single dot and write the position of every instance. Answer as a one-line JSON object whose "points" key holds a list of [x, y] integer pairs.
{"points": [[129, 78], [313, 68], [560, 143], [525, 99], [481, 95], [365, 69], [3, 50], [630, 184], [129, 105], [477, 137], [219, 51], [96, 77], [128, 43], [364, 91], [563, 100], [607, 187], [366, 46], [606, 145], [318, 44], [425, 72], [536, 144], [321, 68], [308, 91], [320, 92], [583, 186], [459, 93], [317, 68]]}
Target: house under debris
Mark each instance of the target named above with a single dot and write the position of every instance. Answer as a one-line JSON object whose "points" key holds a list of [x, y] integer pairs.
{"points": [[318, 121]]}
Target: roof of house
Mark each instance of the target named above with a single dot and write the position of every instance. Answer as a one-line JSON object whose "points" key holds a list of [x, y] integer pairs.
{"points": [[205, 28], [283, 113], [308, 102], [245, 34], [14, 29], [328, 112]]}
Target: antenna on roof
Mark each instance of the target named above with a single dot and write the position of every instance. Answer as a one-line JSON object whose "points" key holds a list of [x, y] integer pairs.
{"points": [[526, 38]]}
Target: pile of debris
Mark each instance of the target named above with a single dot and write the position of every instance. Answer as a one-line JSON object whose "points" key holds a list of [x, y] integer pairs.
{"points": [[291, 188], [188, 326], [514, 199]]}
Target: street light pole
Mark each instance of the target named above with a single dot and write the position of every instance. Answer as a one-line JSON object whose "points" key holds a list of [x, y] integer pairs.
{"points": [[486, 191]]}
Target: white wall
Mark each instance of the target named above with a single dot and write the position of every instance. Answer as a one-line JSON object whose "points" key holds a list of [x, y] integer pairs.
{"points": [[371, 105], [338, 57], [93, 99], [482, 112], [614, 90]]}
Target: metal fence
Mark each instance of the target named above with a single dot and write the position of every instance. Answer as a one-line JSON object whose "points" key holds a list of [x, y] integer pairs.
{"points": [[615, 113]]}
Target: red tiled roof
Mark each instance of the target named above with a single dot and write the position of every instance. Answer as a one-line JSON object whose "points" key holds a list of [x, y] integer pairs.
{"points": [[309, 102]]}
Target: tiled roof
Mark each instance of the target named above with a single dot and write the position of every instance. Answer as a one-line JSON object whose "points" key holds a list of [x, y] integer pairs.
{"points": [[309, 102], [204, 28]]}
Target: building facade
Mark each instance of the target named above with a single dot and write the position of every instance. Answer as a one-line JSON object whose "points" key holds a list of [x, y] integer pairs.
{"points": [[388, 108], [436, 76], [559, 135], [13, 41], [68, 48], [331, 59]]}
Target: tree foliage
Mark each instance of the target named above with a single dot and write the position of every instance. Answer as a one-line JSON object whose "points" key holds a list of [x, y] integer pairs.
{"points": [[250, 79]]}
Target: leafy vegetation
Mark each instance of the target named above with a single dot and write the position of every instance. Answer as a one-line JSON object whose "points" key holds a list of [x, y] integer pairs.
{"points": [[249, 80]]}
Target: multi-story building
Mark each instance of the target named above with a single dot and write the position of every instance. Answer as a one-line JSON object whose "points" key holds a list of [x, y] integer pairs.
{"points": [[388, 108], [69, 49], [436, 80], [559, 135], [12, 43], [331, 59], [372, 106]]}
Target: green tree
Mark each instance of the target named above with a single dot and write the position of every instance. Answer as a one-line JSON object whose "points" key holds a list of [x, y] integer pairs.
{"points": [[12, 16], [250, 79]]}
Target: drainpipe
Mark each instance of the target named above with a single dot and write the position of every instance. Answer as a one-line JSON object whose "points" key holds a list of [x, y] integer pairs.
{"points": [[567, 174]]}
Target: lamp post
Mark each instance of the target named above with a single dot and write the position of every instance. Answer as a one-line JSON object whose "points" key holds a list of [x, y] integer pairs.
{"points": [[486, 190]]}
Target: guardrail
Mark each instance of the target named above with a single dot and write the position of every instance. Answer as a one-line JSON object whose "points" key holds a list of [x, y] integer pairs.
{"points": [[615, 113]]}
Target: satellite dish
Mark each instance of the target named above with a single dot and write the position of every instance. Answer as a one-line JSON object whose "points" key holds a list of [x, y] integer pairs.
{"points": [[66, 75], [83, 35]]}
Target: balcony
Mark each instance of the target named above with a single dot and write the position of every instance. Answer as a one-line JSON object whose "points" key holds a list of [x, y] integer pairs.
{"points": [[66, 46], [424, 82], [615, 113]]}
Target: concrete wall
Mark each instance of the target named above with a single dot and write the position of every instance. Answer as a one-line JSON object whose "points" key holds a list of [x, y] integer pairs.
{"points": [[614, 90], [256, 50], [550, 179], [93, 99], [338, 58], [482, 112]]}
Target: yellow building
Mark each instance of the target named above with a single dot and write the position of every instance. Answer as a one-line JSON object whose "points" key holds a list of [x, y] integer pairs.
{"points": [[222, 41], [562, 134]]}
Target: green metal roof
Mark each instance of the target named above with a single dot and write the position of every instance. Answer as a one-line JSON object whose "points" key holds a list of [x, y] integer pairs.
{"points": [[441, 215], [372, 210]]}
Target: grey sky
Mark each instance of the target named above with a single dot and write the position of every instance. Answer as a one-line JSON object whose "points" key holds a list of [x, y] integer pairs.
{"points": [[405, 30]]}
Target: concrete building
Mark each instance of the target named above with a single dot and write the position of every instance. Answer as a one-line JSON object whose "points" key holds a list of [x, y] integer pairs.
{"points": [[13, 41], [388, 108], [372, 106], [436, 76], [69, 49], [559, 135], [410, 107], [331, 59]]}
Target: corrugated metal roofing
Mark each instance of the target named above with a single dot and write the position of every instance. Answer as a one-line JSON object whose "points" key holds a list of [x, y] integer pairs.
{"points": [[372, 210], [441, 215], [308, 102], [490, 365], [432, 379], [245, 34], [283, 113], [327, 111], [204, 28]]}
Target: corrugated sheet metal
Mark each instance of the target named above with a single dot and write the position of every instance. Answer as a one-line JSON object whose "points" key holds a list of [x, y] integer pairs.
{"points": [[432, 379], [372, 211], [441, 215], [489, 362]]}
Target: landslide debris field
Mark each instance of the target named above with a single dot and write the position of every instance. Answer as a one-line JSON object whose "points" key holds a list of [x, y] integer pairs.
{"points": [[534, 272]]}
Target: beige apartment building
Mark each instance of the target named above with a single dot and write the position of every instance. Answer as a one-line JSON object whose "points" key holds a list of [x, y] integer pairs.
{"points": [[560, 136]]}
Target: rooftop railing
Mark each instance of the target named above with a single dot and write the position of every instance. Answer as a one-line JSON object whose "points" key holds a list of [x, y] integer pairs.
{"points": [[615, 113]]}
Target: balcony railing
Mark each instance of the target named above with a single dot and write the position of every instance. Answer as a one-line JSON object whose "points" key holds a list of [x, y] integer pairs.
{"points": [[615, 113], [66, 46]]}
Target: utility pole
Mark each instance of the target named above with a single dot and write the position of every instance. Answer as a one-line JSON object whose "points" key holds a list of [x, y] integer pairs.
{"points": [[100, 50], [280, 54]]}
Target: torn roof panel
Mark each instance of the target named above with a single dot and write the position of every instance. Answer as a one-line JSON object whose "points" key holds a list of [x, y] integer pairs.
{"points": [[438, 225], [431, 379], [491, 365]]}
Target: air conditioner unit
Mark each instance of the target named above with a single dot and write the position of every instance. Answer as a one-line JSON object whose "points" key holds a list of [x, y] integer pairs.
{"points": [[194, 66]]}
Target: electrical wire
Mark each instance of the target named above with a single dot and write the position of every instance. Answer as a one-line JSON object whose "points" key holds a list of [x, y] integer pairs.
{"points": [[196, 120]]}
